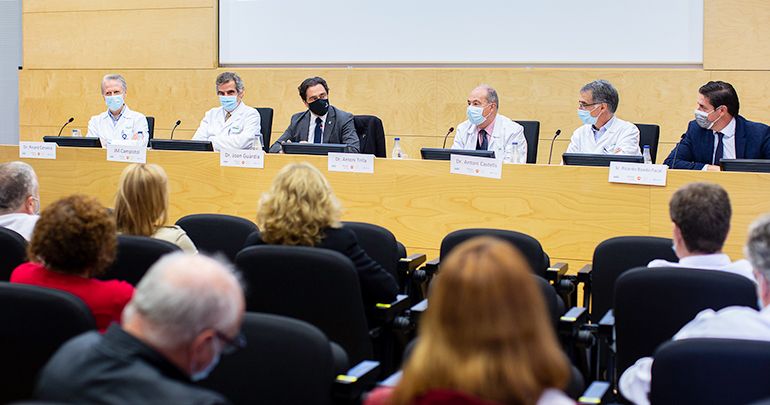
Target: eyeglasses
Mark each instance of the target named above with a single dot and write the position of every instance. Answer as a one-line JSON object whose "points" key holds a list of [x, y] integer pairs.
{"points": [[582, 105], [232, 344]]}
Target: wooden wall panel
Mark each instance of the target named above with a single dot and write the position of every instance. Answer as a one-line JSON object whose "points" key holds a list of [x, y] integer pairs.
{"points": [[736, 34], [47, 6]]}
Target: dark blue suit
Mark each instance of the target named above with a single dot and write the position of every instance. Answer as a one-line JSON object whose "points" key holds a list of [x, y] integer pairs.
{"points": [[752, 141]]}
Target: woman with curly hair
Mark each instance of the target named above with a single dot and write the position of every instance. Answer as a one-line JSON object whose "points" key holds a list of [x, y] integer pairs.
{"points": [[301, 210], [74, 240], [141, 205], [486, 337]]}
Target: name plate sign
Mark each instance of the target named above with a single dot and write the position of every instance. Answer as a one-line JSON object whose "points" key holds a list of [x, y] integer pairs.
{"points": [[123, 153], [476, 166], [37, 150], [254, 159], [638, 173], [350, 162]]}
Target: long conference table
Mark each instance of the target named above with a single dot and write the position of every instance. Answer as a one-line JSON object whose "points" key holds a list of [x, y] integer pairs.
{"points": [[569, 209]]}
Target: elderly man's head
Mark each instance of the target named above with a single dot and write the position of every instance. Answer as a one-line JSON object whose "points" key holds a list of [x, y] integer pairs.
{"points": [[189, 308], [19, 190], [757, 250]]}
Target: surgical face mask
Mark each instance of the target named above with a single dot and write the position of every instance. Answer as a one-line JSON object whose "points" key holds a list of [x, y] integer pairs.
{"points": [[319, 107], [586, 117], [37, 211], [114, 102], [203, 374], [476, 114], [702, 118], [229, 102]]}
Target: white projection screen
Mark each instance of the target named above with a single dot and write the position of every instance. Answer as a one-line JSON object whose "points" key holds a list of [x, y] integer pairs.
{"points": [[454, 32]]}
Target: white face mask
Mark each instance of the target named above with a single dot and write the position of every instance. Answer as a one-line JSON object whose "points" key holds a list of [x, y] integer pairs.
{"points": [[702, 118], [203, 374]]}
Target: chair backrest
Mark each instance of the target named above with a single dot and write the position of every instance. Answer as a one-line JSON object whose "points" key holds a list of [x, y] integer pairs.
{"points": [[616, 255], [266, 121], [528, 245], [214, 233], [379, 243], [652, 304], [315, 285], [13, 252], [649, 134], [532, 134], [371, 134], [35, 322], [135, 256], [286, 361], [710, 371], [150, 127], [553, 302]]}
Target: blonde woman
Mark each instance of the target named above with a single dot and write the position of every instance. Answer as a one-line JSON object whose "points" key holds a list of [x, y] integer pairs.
{"points": [[486, 337], [301, 210], [141, 205]]}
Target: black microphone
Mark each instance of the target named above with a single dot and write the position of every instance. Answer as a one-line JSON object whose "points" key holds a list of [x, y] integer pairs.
{"points": [[447, 135], [172, 131], [65, 124], [558, 131], [677, 149]]}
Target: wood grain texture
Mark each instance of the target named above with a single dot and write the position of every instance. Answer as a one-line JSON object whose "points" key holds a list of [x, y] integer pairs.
{"points": [[48, 6], [736, 34]]}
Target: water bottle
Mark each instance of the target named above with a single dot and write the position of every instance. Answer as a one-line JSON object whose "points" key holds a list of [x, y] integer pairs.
{"points": [[396, 154], [257, 141], [515, 152], [508, 154], [76, 132], [646, 154], [141, 138]]}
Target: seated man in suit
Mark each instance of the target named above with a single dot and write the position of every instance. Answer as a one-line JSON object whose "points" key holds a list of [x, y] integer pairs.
{"points": [[728, 323], [185, 313], [321, 123], [603, 132], [233, 124], [719, 132], [700, 213], [119, 125], [485, 129], [19, 198]]}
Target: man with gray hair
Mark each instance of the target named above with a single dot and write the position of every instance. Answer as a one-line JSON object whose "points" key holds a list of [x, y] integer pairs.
{"points": [[233, 125], [186, 311], [19, 198], [119, 125], [728, 323], [603, 133], [485, 129]]}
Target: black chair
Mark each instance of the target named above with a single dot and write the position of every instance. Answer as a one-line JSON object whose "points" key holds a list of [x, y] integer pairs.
{"points": [[266, 121], [214, 233], [652, 304], [379, 243], [649, 134], [532, 134], [35, 322], [371, 135], [286, 361], [135, 256], [150, 127], [710, 371], [13, 252]]}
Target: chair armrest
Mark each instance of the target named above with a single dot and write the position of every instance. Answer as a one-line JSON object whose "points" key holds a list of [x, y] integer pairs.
{"points": [[556, 272], [598, 392], [392, 380], [359, 379], [584, 276], [570, 323], [386, 312], [416, 312], [409, 264], [431, 266], [607, 324]]}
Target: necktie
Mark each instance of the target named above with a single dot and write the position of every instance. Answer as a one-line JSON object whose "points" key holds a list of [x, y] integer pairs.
{"points": [[484, 142], [318, 131], [720, 149], [227, 116]]}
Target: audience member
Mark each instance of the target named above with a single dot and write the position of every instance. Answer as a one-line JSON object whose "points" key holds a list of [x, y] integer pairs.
{"points": [[74, 240], [141, 205], [729, 323], [186, 312], [119, 125], [19, 198], [301, 209], [486, 337]]}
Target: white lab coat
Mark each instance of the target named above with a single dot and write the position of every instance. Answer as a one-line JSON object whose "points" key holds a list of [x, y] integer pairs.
{"points": [[237, 133], [504, 133], [122, 132], [621, 137]]}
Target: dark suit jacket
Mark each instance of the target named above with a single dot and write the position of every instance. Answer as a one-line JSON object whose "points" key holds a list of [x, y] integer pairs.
{"points": [[752, 141], [371, 135], [377, 285], [339, 129]]}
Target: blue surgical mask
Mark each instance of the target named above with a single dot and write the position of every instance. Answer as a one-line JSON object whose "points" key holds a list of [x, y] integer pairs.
{"points": [[114, 102], [476, 115], [229, 102], [586, 117], [203, 374]]}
